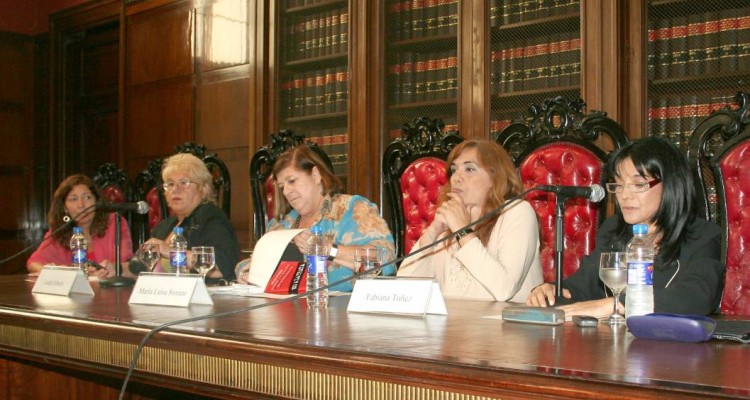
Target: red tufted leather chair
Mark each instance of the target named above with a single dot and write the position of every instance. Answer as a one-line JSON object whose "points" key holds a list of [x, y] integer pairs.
{"points": [[261, 179], [414, 170], [557, 144], [113, 183], [719, 153]]}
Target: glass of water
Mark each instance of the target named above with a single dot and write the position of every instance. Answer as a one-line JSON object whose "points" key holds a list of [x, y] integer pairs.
{"points": [[366, 259], [149, 255], [613, 271], [203, 259]]}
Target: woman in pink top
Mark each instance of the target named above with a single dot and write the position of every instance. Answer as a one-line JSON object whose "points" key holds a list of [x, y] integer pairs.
{"points": [[75, 199]]}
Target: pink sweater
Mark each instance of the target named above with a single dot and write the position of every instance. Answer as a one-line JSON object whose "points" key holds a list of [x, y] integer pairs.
{"points": [[100, 248]]}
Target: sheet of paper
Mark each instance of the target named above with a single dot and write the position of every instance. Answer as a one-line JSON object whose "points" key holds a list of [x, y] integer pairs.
{"points": [[267, 254]]}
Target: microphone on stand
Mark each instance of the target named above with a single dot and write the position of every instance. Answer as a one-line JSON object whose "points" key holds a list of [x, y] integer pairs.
{"points": [[594, 193], [140, 207]]}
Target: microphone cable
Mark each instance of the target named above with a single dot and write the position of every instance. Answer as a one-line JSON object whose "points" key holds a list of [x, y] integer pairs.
{"points": [[66, 225], [157, 329]]}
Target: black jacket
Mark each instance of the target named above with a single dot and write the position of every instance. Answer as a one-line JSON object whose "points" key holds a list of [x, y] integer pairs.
{"points": [[696, 287], [207, 225]]}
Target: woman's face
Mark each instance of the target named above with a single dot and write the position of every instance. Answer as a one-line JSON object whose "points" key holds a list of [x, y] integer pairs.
{"points": [[183, 194], [637, 208], [78, 199], [301, 189], [470, 181]]}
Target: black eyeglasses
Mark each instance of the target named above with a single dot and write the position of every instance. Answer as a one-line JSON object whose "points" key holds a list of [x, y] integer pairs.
{"points": [[639, 187]]}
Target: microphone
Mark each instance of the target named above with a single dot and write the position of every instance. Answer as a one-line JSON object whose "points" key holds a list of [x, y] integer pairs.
{"points": [[594, 192], [140, 207]]}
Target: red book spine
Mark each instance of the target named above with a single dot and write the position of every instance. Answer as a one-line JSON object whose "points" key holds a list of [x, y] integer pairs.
{"points": [[407, 77], [298, 94], [394, 84], [431, 22], [344, 31], [441, 76], [696, 48], [728, 41], [452, 81], [711, 42], [743, 43], [330, 90], [417, 18], [678, 37], [342, 89], [662, 44], [420, 82]]}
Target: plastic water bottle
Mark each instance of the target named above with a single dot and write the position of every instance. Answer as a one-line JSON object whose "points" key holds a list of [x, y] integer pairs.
{"points": [[79, 248], [317, 271], [639, 297], [178, 251]]}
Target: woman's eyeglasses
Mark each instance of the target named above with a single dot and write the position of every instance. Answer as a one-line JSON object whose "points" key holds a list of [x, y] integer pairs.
{"points": [[183, 183], [639, 187]]}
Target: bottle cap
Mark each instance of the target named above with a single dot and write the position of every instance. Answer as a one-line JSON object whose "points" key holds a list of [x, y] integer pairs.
{"points": [[640, 229], [77, 229], [178, 230], [316, 230]]}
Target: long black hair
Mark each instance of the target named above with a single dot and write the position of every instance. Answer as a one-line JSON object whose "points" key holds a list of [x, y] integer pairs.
{"points": [[660, 159]]}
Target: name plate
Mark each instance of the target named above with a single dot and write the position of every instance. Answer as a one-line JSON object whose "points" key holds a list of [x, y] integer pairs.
{"points": [[62, 281], [411, 296], [170, 290]]}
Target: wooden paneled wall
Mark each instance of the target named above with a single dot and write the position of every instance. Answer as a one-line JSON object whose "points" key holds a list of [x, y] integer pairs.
{"points": [[23, 160], [187, 78]]}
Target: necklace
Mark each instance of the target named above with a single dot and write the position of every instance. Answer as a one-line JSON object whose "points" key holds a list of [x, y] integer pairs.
{"points": [[326, 208]]}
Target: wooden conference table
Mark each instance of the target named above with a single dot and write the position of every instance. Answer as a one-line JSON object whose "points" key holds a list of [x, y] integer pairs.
{"points": [[84, 344]]}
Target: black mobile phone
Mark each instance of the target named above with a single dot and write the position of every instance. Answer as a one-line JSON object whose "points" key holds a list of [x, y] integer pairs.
{"points": [[585, 320], [90, 263]]}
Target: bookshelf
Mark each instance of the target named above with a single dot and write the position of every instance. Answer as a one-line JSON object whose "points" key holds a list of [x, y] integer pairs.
{"points": [[314, 75], [421, 53], [698, 57], [535, 53]]}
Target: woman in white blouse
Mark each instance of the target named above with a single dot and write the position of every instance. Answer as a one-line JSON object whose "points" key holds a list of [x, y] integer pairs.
{"points": [[497, 260]]}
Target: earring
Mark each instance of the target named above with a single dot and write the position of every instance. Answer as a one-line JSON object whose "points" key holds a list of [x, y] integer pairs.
{"points": [[66, 218]]}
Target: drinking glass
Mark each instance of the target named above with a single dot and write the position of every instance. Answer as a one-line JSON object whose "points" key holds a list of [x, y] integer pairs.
{"points": [[203, 259], [149, 255], [367, 258], [613, 271]]}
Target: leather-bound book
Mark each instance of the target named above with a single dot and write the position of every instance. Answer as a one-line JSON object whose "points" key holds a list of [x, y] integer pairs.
{"points": [[711, 42], [728, 41]]}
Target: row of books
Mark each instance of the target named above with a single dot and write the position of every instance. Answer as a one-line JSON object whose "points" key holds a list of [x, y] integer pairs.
{"points": [[675, 117], [416, 77], [334, 142], [698, 44], [316, 92], [316, 35], [536, 63], [505, 12], [410, 19]]}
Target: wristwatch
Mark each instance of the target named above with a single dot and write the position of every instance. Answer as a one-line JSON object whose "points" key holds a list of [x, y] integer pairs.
{"points": [[333, 251], [462, 233]]}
